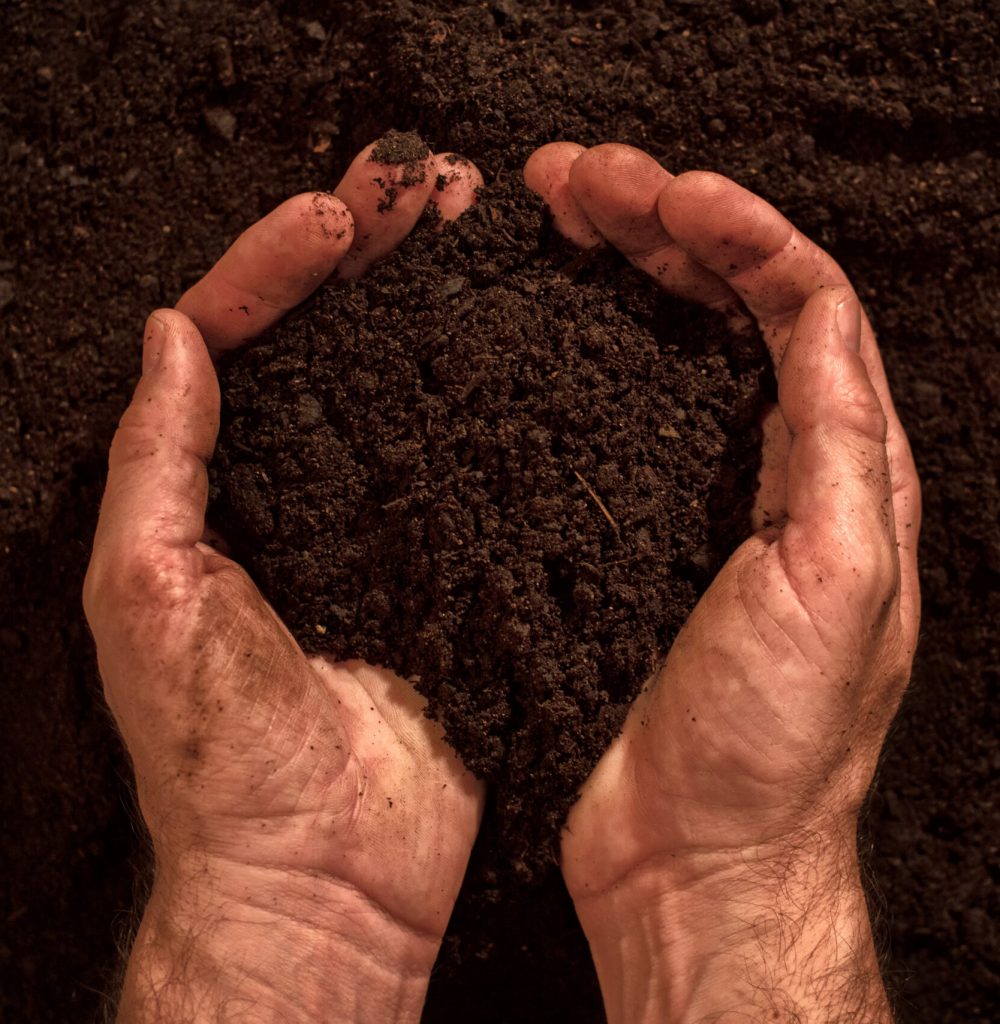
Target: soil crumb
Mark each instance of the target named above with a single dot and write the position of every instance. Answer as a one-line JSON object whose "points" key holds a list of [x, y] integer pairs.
{"points": [[399, 148]]}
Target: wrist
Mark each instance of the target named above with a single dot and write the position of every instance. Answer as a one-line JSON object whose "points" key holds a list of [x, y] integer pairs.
{"points": [[276, 946], [779, 932]]}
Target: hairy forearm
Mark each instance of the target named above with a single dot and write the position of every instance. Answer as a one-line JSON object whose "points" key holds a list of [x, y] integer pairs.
{"points": [[783, 935], [300, 951]]}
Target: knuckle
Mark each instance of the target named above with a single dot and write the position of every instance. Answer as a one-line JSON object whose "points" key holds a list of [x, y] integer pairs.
{"points": [[858, 405], [232, 586], [157, 576], [155, 579], [877, 572], [867, 418]]}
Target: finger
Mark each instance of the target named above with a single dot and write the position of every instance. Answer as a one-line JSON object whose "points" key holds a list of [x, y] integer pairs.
{"points": [[272, 267], [775, 269], [771, 266], [618, 188], [386, 189], [153, 512], [839, 542], [547, 174], [456, 185], [769, 502]]}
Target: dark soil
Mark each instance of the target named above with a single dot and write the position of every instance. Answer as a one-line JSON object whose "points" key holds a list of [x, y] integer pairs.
{"points": [[137, 141], [504, 469]]}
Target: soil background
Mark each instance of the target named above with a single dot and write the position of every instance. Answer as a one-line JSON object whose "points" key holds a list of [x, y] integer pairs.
{"points": [[137, 140]]}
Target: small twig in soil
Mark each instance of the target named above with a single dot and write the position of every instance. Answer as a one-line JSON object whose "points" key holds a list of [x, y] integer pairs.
{"points": [[600, 504]]}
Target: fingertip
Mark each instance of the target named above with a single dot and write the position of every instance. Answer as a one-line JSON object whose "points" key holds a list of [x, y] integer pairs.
{"points": [[550, 163], [701, 188], [386, 189], [626, 165], [170, 336], [617, 187], [273, 266], [154, 338], [546, 173], [326, 226], [712, 218], [848, 315], [822, 378], [456, 185]]}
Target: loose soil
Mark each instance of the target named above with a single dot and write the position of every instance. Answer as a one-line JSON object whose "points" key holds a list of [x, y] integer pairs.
{"points": [[138, 139], [503, 468]]}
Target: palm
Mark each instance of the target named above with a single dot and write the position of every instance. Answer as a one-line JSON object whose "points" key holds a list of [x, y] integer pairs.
{"points": [[330, 769], [733, 738]]}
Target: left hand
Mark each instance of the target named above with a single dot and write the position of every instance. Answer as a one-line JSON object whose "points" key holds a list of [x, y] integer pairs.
{"points": [[310, 825]]}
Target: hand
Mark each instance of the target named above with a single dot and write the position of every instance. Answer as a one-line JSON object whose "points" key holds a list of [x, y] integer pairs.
{"points": [[310, 826], [711, 855]]}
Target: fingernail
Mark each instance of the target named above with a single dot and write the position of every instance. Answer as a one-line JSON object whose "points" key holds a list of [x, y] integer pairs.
{"points": [[153, 341], [849, 322]]}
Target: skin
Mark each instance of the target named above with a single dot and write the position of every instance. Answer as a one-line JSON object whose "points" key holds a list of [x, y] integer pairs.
{"points": [[310, 826], [712, 854]]}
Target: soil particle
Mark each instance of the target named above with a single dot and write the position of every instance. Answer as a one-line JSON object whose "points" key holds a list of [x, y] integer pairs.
{"points": [[222, 122]]}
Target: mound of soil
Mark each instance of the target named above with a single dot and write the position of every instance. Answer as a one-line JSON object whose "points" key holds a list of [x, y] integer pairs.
{"points": [[505, 470], [139, 138]]}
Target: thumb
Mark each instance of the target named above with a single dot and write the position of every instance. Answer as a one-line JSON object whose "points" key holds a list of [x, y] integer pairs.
{"points": [[153, 512], [838, 546]]}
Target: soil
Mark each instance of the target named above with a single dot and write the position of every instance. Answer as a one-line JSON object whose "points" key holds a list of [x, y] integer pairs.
{"points": [[505, 470], [139, 139]]}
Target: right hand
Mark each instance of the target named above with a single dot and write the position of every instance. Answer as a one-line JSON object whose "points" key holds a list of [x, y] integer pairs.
{"points": [[757, 741]]}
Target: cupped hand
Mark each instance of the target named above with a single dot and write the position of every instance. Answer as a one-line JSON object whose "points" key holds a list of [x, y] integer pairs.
{"points": [[751, 751], [310, 825]]}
